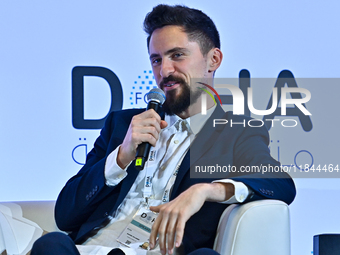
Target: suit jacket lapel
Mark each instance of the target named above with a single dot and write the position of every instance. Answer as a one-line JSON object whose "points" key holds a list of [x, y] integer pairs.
{"points": [[203, 142], [207, 136]]}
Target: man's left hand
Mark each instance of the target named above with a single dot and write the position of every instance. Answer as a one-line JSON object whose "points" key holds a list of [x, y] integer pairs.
{"points": [[172, 217]]}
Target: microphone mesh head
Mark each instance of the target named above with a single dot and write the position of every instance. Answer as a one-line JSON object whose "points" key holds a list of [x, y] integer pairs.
{"points": [[157, 95]]}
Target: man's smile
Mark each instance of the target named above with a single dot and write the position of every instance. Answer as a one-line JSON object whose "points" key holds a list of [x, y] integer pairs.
{"points": [[171, 85]]}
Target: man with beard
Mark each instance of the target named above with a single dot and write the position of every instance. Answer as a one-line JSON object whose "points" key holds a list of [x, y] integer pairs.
{"points": [[100, 201]]}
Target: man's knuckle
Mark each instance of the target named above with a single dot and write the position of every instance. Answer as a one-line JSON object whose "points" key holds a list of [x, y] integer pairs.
{"points": [[166, 211], [155, 121], [153, 130], [150, 137], [170, 231], [153, 228], [179, 229], [134, 136], [180, 214]]}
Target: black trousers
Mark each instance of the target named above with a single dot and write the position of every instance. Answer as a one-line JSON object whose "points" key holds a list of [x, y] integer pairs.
{"points": [[57, 243]]}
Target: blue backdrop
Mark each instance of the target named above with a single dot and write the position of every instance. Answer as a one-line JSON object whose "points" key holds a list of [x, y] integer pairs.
{"points": [[43, 41]]}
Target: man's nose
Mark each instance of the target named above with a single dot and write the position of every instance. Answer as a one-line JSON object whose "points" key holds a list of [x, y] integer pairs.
{"points": [[167, 68]]}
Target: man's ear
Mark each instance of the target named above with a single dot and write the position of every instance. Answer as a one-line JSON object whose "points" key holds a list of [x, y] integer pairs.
{"points": [[215, 57]]}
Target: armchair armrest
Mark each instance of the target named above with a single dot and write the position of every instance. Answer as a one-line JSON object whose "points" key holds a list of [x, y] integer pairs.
{"points": [[21, 223], [257, 228]]}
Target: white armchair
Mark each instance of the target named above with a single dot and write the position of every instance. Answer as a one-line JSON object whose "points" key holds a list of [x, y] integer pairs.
{"points": [[257, 228]]}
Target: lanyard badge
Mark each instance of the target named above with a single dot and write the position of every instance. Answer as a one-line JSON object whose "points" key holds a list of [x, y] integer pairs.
{"points": [[139, 229]]}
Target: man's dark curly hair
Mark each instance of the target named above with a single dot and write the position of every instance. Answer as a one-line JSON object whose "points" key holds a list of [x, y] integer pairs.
{"points": [[198, 26]]}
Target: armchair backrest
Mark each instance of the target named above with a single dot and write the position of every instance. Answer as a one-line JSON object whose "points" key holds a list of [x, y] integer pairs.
{"points": [[258, 228]]}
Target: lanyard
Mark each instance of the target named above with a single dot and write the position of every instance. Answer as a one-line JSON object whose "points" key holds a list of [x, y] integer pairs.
{"points": [[147, 192]]}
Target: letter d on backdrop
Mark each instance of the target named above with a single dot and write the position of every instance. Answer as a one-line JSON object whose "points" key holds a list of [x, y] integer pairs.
{"points": [[78, 73]]}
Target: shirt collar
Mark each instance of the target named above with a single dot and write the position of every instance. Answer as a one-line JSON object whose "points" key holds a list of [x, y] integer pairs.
{"points": [[194, 123]]}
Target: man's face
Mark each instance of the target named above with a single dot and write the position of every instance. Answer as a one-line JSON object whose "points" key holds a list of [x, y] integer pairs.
{"points": [[175, 61]]}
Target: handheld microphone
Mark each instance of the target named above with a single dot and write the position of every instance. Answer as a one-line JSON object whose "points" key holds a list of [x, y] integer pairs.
{"points": [[156, 98]]}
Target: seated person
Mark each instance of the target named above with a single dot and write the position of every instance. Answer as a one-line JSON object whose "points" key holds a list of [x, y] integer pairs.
{"points": [[100, 201]]}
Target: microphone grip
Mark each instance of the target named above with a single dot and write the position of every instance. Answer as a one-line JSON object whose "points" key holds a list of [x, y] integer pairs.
{"points": [[142, 155], [143, 149]]}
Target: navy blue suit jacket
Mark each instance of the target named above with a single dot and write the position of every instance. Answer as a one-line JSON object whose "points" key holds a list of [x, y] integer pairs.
{"points": [[84, 204]]}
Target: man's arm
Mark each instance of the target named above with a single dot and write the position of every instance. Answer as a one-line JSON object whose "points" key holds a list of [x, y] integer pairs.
{"points": [[87, 190], [80, 195]]}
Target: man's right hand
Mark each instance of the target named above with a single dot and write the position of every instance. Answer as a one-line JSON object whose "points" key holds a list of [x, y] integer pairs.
{"points": [[144, 127]]}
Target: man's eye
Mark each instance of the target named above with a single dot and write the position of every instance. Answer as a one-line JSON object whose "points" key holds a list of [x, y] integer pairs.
{"points": [[177, 55], [156, 61]]}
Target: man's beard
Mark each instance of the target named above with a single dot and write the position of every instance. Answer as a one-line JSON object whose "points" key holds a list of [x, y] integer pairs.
{"points": [[176, 104]]}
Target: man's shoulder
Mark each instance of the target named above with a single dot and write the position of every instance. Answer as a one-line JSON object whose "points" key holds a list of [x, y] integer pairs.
{"points": [[120, 117], [126, 113]]}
